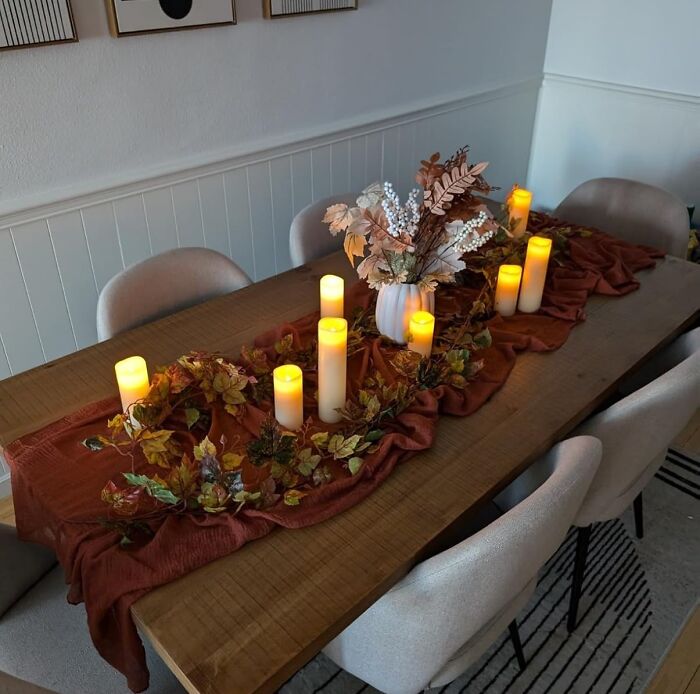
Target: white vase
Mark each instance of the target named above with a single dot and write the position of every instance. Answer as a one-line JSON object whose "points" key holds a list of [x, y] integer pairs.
{"points": [[396, 304]]}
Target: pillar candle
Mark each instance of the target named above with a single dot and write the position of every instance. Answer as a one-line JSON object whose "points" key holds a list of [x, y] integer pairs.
{"points": [[519, 206], [289, 396], [536, 260], [332, 367], [332, 294], [507, 289], [132, 379], [420, 328]]}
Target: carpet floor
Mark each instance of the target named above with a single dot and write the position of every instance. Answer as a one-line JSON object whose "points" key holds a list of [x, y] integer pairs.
{"points": [[637, 594]]}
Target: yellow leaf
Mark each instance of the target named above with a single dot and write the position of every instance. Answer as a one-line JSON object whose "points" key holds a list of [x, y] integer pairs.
{"points": [[354, 245], [182, 478], [116, 424], [320, 439], [354, 465], [293, 497], [206, 447], [230, 384], [341, 447], [234, 397], [233, 410], [231, 461], [213, 498], [158, 447]]}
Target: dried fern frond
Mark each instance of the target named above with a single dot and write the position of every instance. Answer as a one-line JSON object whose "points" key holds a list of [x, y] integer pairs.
{"points": [[430, 171], [456, 182]]}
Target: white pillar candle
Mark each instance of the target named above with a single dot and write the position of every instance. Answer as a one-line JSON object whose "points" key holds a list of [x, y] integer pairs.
{"points": [[132, 379], [421, 328], [289, 396], [519, 206], [507, 289], [535, 273], [332, 296], [332, 367]]}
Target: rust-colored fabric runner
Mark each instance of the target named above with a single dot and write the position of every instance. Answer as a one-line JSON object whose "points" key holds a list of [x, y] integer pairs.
{"points": [[56, 482]]}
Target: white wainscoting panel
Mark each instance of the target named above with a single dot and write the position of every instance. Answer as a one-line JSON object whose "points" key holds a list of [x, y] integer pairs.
{"points": [[55, 259], [20, 334], [586, 129], [187, 209], [39, 269]]}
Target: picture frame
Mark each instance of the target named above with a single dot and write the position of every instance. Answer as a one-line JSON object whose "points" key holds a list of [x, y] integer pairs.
{"points": [[39, 23], [134, 17], [278, 9]]}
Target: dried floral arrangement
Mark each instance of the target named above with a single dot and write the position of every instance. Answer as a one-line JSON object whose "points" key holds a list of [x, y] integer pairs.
{"points": [[275, 466], [422, 241]]}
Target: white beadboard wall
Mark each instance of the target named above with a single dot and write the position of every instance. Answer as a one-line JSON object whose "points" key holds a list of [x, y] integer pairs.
{"points": [[55, 258], [619, 110], [588, 128]]}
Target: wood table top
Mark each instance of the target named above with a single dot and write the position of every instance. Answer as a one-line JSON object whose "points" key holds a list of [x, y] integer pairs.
{"points": [[249, 621]]}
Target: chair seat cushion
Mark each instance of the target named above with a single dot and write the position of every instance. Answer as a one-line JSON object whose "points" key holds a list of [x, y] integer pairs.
{"points": [[45, 641], [22, 565]]}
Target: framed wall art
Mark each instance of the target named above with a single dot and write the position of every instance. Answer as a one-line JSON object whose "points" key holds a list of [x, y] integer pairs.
{"points": [[128, 17], [292, 8], [35, 23]]}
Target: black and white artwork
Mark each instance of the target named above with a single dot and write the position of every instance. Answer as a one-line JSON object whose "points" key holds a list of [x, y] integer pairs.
{"points": [[139, 16], [25, 23], [289, 8]]}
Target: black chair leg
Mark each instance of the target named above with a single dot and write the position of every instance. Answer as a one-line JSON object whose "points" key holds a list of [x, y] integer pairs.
{"points": [[582, 541], [638, 516], [517, 646]]}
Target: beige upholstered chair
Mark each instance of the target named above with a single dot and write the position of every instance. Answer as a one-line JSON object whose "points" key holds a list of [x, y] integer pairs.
{"points": [[674, 354], [636, 432], [630, 210], [162, 285], [448, 610], [44, 640], [309, 237]]}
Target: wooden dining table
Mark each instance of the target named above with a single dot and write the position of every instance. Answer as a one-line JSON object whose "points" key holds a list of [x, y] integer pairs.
{"points": [[247, 622]]}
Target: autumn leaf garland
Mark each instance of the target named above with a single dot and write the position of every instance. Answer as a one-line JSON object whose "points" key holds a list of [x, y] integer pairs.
{"points": [[209, 477]]}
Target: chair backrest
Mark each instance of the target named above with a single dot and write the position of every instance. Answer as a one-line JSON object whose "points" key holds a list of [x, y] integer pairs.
{"points": [[309, 237], [635, 432], [680, 349], [162, 285], [21, 566], [633, 211], [410, 633]]}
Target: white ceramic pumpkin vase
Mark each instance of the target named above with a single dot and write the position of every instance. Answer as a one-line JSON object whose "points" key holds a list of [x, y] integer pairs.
{"points": [[396, 304]]}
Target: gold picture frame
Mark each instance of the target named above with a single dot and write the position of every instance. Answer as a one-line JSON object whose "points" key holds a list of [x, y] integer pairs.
{"points": [[279, 9], [41, 23], [119, 28]]}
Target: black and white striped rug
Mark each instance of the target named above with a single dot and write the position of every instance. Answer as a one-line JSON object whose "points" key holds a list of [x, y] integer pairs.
{"points": [[636, 596]]}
